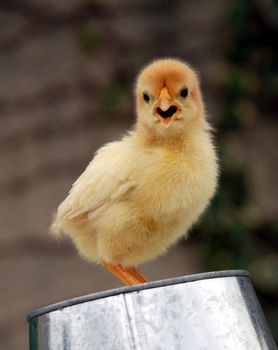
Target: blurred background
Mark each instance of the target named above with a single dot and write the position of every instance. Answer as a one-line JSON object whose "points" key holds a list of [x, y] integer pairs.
{"points": [[67, 71]]}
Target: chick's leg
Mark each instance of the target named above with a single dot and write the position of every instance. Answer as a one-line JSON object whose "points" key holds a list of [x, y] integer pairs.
{"points": [[137, 274], [128, 275]]}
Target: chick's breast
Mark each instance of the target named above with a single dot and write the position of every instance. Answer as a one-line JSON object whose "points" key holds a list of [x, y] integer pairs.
{"points": [[170, 189]]}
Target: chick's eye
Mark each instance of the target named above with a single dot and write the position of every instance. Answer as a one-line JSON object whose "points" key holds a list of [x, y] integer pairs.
{"points": [[184, 92], [146, 97]]}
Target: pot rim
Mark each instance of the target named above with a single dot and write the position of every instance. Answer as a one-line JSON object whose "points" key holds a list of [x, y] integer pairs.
{"points": [[136, 288]]}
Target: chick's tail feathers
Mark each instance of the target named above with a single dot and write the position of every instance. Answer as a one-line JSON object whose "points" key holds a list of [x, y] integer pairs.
{"points": [[56, 229]]}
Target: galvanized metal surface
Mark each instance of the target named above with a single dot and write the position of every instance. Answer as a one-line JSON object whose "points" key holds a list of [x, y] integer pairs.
{"points": [[214, 311]]}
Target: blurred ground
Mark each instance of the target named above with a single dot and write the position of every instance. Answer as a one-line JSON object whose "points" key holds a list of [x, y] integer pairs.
{"points": [[64, 91]]}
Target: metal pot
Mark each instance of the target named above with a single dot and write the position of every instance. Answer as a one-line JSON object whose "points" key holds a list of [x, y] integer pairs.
{"points": [[209, 311]]}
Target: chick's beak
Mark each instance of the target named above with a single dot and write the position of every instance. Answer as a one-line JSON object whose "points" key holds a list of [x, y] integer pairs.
{"points": [[165, 107], [164, 99]]}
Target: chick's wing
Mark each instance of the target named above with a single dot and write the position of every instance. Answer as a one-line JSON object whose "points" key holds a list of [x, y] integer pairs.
{"points": [[107, 178]]}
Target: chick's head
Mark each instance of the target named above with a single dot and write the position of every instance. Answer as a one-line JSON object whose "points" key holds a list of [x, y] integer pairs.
{"points": [[168, 99]]}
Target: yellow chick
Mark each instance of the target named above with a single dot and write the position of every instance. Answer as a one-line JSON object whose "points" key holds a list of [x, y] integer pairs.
{"points": [[139, 195]]}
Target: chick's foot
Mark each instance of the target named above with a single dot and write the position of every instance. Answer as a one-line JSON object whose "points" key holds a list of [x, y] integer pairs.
{"points": [[127, 275]]}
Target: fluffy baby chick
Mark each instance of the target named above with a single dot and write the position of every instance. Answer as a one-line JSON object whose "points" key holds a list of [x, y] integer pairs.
{"points": [[140, 195]]}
